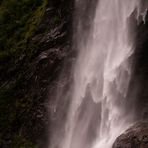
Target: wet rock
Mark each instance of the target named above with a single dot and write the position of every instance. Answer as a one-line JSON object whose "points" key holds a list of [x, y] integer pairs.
{"points": [[135, 137]]}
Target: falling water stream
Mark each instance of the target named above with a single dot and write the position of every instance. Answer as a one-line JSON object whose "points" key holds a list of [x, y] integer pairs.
{"points": [[97, 113]]}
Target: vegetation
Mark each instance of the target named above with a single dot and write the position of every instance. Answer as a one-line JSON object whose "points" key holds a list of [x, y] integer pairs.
{"points": [[19, 20], [27, 30]]}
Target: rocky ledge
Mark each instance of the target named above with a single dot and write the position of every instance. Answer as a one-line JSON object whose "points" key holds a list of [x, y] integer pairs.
{"points": [[135, 137]]}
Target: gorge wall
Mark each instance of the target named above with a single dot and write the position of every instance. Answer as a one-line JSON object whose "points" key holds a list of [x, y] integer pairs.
{"points": [[35, 38]]}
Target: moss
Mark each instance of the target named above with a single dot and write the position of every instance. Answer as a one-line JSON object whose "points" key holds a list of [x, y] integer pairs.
{"points": [[12, 110], [18, 22], [56, 19], [35, 20], [20, 142], [6, 98], [3, 55]]}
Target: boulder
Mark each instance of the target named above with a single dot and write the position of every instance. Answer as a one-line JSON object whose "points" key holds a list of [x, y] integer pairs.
{"points": [[135, 137]]}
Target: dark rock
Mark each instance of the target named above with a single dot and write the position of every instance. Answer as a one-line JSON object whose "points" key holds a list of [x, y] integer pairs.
{"points": [[27, 73], [135, 137]]}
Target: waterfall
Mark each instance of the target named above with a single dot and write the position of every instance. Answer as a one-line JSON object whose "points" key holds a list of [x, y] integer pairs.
{"points": [[97, 111]]}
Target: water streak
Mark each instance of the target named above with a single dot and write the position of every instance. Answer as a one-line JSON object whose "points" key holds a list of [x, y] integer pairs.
{"points": [[97, 112]]}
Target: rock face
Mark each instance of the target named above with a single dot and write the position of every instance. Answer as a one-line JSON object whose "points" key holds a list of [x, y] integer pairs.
{"points": [[134, 137], [38, 38]]}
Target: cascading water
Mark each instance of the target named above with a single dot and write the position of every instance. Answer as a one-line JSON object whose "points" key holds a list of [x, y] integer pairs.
{"points": [[97, 111]]}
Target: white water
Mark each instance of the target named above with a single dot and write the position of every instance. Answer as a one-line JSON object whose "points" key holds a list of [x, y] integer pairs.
{"points": [[97, 112]]}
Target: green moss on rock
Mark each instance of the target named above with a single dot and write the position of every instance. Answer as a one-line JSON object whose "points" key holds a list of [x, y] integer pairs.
{"points": [[19, 19], [20, 142]]}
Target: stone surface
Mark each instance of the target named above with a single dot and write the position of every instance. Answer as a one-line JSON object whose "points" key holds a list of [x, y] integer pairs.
{"points": [[135, 137]]}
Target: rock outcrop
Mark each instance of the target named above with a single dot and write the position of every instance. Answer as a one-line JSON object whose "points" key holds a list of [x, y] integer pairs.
{"points": [[35, 38], [135, 137]]}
